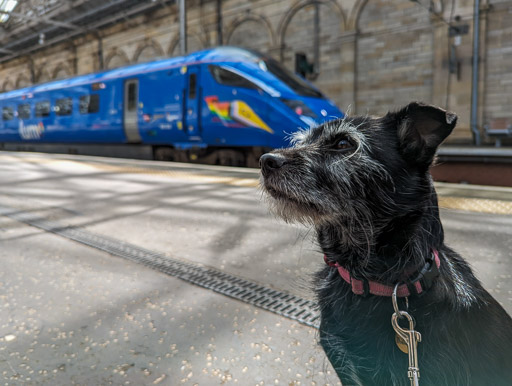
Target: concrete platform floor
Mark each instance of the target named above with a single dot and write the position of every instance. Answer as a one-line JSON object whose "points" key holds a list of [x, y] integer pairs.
{"points": [[71, 314]]}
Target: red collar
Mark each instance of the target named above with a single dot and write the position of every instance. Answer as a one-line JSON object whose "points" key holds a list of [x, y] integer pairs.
{"points": [[419, 284]]}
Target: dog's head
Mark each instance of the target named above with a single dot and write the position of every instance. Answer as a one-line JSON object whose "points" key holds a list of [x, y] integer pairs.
{"points": [[356, 168]]}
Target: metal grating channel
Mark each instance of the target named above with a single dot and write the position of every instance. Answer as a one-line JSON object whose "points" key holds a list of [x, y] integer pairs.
{"points": [[279, 302]]}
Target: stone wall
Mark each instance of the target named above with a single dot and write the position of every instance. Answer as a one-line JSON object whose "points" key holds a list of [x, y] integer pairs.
{"points": [[498, 76], [394, 55], [372, 56]]}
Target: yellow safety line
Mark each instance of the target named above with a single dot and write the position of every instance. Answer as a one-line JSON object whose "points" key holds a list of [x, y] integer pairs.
{"points": [[446, 202], [187, 175], [479, 205]]}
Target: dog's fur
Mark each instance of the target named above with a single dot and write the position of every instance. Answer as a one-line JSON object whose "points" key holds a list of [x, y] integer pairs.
{"points": [[364, 184]]}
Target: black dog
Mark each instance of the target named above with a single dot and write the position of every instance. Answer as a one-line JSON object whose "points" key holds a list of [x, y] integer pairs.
{"points": [[365, 186]]}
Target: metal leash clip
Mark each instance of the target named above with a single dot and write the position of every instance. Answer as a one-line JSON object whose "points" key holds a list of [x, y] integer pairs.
{"points": [[406, 339]]}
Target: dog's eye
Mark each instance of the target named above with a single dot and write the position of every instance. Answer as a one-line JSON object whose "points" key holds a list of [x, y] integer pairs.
{"points": [[343, 144]]}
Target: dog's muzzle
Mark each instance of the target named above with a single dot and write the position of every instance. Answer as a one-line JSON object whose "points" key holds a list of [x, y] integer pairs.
{"points": [[271, 162]]}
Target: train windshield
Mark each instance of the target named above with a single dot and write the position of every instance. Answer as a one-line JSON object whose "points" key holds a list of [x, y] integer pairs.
{"points": [[293, 81], [229, 78], [265, 63]]}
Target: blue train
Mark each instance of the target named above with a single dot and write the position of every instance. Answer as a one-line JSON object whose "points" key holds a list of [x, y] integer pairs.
{"points": [[224, 105]]}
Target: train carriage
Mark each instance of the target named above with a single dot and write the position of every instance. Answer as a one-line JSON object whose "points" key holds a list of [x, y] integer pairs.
{"points": [[224, 105]]}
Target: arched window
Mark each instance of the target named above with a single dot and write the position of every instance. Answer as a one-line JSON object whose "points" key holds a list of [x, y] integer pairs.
{"points": [[61, 73], [149, 53], [116, 59], [193, 44], [251, 33], [22, 81]]}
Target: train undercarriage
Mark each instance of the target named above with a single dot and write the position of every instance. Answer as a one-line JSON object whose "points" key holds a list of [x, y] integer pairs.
{"points": [[242, 156], [235, 156]]}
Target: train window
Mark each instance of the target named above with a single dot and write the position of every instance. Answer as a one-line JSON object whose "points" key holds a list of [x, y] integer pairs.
{"points": [[89, 104], [192, 81], [7, 113], [132, 96], [94, 103], [229, 78], [296, 83], [24, 111], [63, 106], [43, 109]]}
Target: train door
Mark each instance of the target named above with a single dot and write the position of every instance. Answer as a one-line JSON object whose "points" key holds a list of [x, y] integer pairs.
{"points": [[131, 108], [192, 98]]}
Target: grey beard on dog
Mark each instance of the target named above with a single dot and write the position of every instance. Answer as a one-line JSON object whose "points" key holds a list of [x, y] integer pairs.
{"points": [[364, 185]]}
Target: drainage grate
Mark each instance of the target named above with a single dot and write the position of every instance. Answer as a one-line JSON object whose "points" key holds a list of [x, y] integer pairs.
{"points": [[279, 302]]}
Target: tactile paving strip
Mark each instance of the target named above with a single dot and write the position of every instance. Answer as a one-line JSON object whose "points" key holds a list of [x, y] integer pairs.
{"points": [[476, 205], [215, 179], [279, 302], [480, 205], [447, 202]]}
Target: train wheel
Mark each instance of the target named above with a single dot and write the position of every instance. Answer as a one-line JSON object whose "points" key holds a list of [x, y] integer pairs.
{"points": [[230, 158], [163, 153], [253, 158]]}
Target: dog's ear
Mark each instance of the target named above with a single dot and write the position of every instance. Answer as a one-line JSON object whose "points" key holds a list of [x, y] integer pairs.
{"points": [[421, 128]]}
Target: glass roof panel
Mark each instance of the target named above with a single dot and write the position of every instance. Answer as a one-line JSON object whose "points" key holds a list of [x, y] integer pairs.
{"points": [[6, 6]]}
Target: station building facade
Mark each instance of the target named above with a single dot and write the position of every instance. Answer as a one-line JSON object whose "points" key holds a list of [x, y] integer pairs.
{"points": [[369, 56]]}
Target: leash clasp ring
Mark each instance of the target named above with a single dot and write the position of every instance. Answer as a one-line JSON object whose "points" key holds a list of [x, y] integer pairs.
{"points": [[394, 299]]}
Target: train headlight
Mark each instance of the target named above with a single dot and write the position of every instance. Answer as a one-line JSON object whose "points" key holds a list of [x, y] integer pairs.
{"points": [[299, 107]]}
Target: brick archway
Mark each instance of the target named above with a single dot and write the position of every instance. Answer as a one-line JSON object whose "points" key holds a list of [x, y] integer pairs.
{"points": [[147, 51], [262, 35], [116, 58]]}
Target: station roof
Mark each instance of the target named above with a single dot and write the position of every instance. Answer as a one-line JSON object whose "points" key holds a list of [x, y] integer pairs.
{"points": [[29, 25]]}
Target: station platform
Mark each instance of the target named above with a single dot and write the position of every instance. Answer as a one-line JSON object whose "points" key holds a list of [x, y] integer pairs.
{"points": [[139, 272]]}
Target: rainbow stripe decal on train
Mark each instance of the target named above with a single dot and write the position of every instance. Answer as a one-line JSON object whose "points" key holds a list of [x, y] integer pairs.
{"points": [[238, 111]]}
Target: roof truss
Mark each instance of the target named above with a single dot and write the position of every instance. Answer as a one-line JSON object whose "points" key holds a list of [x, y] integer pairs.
{"points": [[32, 25]]}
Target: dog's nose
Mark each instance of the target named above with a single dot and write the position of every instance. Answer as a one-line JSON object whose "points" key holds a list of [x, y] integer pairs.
{"points": [[270, 162]]}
